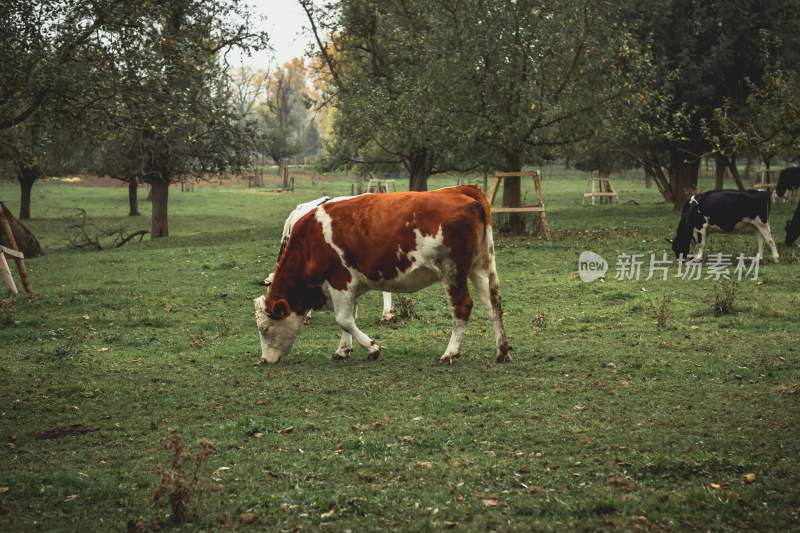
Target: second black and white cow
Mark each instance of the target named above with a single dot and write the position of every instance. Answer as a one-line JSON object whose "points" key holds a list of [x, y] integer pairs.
{"points": [[793, 227], [727, 211], [788, 180]]}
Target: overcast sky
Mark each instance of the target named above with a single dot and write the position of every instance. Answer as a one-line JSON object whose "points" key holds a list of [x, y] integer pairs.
{"points": [[284, 23]]}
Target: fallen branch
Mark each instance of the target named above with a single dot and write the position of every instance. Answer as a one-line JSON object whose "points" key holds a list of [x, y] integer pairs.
{"points": [[84, 240]]}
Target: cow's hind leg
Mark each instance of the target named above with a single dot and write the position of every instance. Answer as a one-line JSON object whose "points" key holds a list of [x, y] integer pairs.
{"points": [[461, 303], [760, 239], [487, 286], [387, 316], [344, 309], [765, 231]]}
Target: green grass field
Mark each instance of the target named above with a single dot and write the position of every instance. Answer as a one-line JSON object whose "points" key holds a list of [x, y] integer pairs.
{"points": [[602, 421]]}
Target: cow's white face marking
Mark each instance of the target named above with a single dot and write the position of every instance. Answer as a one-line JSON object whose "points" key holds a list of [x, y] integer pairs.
{"points": [[277, 336]]}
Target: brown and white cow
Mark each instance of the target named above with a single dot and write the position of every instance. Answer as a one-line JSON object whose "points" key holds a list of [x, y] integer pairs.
{"points": [[393, 242], [388, 313]]}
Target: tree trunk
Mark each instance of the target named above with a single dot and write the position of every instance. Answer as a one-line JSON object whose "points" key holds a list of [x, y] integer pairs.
{"points": [[683, 177], [133, 197], [25, 187], [748, 168], [159, 226], [735, 173], [27, 176], [419, 169], [648, 179], [720, 165], [512, 195], [768, 174]]}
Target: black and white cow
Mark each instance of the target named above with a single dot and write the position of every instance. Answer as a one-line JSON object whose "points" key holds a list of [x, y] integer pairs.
{"points": [[388, 313], [793, 227], [788, 180], [728, 211]]}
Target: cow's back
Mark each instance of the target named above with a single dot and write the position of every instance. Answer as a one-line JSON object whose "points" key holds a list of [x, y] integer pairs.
{"points": [[726, 208], [381, 235]]}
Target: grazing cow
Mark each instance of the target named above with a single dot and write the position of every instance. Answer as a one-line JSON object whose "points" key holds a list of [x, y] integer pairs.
{"points": [[398, 242], [727, 211], [788, 180], [388, 310], [793, 227]]}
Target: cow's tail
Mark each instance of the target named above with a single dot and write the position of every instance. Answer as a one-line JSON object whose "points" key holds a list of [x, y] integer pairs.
{"points": [[766, 199]]}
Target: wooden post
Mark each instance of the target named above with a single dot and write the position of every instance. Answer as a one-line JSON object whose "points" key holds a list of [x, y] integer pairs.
{"points": [[12, 243]]}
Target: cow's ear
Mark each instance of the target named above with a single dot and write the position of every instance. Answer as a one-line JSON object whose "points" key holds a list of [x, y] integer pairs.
{"points": [[278, 309]]}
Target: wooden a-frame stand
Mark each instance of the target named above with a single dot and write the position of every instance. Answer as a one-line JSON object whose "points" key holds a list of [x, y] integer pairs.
{"points": [[12, 250], [538, 207], [600, 187]]}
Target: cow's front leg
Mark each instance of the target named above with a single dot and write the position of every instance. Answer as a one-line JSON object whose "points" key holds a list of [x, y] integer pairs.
{"points": [[701, 243], [344, 309], [345, 346]]}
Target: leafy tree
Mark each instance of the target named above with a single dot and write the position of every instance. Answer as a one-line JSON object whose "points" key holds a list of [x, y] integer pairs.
{"points": [[706, 55], [284, 113], [175, 101], [42, 43], [382, 62], [769, 123], [533, 76], [53, 58]]}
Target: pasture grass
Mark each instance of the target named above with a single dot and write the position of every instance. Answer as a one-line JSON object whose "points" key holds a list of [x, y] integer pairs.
{"points": [[628, 405]]}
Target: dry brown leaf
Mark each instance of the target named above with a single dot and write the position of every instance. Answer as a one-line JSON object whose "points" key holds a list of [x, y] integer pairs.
{"points": [[329, 514], [286, 430], [715, 486], [168, 308], [489, 502], [749, 477], [4, 488]]}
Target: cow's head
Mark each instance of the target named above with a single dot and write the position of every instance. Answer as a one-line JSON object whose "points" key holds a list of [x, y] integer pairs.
{"points": [[793, 229], [684, 235], [278, 327]]}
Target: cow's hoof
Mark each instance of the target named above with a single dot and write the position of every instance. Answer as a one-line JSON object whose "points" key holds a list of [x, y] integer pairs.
{"points": [[388, 320], [502, 354], [261, 362], [374, 353], [448, 358], [338, 355]]}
